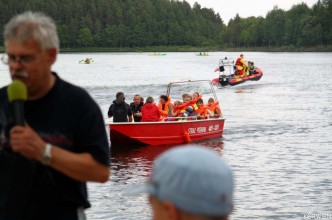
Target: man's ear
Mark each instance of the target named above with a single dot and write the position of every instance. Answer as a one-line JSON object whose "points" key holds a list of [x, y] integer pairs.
{"points": [[171, 212], [52, 54]]}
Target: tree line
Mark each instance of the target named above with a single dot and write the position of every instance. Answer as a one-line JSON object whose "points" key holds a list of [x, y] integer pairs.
{"points": [[144, 23]]}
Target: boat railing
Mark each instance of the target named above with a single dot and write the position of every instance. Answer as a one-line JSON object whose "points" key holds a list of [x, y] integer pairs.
{"points": [[189, 118], [226, 67]]}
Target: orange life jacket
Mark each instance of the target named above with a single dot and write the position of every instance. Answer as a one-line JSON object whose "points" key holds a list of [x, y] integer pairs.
{"points": [[238, 62], [164, 112], [182, 108], [214, 106], [202, 111]]}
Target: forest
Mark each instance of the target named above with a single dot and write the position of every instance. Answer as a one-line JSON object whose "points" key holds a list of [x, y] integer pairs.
{"points": [[146, 23]]}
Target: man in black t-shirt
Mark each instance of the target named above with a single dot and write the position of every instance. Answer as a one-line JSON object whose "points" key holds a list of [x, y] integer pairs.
{"points": [[45, 163], [120, 110], [136, 107]]}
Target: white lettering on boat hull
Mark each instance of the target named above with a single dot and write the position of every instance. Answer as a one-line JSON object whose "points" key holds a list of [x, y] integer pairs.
{"points": [[203, 129]]}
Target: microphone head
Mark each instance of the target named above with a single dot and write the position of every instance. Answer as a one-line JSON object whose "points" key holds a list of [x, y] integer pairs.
{"points": [[17, 91]]}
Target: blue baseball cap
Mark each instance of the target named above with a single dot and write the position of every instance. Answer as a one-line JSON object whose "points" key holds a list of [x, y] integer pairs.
{"points": [[194, 178]]}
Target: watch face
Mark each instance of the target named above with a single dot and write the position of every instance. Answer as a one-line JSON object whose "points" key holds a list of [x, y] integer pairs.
{"points": [[46, 160], [47, 154]]}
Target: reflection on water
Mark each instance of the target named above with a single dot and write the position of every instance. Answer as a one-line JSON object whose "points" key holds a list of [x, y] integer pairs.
{"points": [[130, 167]]}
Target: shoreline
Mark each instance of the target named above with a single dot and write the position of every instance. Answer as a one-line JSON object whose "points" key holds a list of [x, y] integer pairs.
{"points": [[327, 48]]}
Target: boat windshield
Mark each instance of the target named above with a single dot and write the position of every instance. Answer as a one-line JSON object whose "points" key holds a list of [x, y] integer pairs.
{"points": [[203, 87]]}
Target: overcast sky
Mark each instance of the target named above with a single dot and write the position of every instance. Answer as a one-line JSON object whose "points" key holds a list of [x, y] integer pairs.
{"points": [[246, 8]]}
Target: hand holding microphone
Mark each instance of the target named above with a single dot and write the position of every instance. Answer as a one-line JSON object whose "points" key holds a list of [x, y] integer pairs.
{"points": [[23, 140], [17, 95]]}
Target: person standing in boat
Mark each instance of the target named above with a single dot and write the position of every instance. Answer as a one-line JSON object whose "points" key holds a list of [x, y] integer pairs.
{"points": [[150, 111], [120, 110], [136, 107], [241, 66]]}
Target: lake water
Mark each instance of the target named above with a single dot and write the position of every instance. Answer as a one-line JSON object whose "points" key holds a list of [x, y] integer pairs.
{"points": [[277, 135]]}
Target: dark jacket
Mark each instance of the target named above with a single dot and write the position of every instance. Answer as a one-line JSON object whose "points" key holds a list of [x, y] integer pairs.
{"points": [[119, 110]]}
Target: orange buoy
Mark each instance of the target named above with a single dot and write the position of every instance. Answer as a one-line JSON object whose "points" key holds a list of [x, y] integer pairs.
{"points": [[186, 137]]}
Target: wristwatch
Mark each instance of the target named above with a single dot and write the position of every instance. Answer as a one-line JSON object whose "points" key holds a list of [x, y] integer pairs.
{"points": [[47, 156]]}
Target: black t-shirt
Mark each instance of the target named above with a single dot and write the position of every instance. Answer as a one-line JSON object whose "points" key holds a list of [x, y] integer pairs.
{"points": [[66, 117], [136, 109]]}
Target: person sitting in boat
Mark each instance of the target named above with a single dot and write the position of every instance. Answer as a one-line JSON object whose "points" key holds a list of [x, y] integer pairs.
{"points": [[120, 110], [241, 66], [87, 60], [136, 107], [189, 107], [214, 108], [196, 95], [176, 112], [150, 111], [165, 106], [203, 111], [252, 68]]}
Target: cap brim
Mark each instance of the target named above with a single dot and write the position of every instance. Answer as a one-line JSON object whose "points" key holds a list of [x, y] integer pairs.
{"points": [[138, 189]]}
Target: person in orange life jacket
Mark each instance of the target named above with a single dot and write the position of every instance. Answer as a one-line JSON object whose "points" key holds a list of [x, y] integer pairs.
{"points": [[196, 95], [241, 66], [150, 111], [189, 106], [136, 107], [214, 108], [165, 106], [203, 110], [175, 111]]}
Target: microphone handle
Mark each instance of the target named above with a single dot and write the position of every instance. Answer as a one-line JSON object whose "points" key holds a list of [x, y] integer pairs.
{"points": [[18, 110]]}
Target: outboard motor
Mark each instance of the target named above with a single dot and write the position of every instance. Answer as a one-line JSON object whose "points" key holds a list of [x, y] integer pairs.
{"points": [[223, 80]]}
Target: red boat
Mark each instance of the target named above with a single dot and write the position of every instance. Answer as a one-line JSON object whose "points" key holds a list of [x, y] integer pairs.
{"points": [[227, 75], [167, 132], [173, 130]]}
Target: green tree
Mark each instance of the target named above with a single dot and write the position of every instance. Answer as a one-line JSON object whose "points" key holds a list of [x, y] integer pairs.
{"points": [[85, 37]]}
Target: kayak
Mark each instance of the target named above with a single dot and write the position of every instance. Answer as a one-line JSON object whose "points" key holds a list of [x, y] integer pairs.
{"points": [[157, 54]]}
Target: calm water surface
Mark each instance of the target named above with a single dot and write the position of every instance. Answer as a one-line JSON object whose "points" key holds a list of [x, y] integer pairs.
{"points": [[277, 134]]}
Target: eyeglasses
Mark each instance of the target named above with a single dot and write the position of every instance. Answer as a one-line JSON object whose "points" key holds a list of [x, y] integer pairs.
{"points": [[24, 59]]}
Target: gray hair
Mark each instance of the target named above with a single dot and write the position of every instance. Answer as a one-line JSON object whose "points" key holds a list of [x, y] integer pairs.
{"points": [[149, 100], [32, 24]]}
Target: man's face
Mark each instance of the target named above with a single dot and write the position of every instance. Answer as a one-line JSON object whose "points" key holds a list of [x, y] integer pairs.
{"points": [[28, 63], [137, 100], [162, 101]]}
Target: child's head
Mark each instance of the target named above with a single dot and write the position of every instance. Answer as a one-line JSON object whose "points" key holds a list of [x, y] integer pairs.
{"points": [[199, 102], [177, 103], [186, 97], [195, 95], [211, 100]]}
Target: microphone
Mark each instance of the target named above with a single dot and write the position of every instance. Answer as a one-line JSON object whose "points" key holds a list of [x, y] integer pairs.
{"points": [[17, 95]]}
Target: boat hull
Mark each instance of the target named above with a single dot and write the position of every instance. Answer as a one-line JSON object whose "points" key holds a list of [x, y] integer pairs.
{"points": [[225, 80], [169, 132]]}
